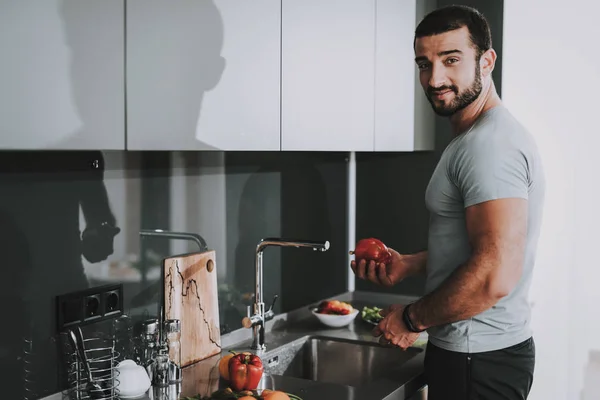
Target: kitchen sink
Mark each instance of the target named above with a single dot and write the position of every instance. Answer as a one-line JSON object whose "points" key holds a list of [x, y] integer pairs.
{"points": [[339, 361]]}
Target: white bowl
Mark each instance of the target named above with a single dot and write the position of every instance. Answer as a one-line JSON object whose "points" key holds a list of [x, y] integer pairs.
{"points": [[335, 321], [133, 380]]}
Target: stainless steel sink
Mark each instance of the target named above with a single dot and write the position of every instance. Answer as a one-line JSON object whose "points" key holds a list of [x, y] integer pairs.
{"points": [[339, 361]]}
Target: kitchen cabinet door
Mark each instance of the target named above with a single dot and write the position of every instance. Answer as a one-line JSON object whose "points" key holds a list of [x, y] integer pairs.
{"points": [[328, 75], [62, 74], [404, 120], [203, 75]]}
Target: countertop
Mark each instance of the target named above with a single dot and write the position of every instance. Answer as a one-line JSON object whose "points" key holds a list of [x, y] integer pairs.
{"points": [[290, 329]]}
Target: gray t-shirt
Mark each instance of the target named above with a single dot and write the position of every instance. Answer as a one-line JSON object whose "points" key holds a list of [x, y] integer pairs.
{"points": [[497, 158]]}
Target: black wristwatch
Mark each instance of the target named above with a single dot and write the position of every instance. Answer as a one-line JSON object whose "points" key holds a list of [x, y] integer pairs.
{"points": [[409, 324]]}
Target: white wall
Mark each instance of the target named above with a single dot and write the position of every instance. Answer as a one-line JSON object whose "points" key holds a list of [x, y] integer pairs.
{"points": [[551, 82]]}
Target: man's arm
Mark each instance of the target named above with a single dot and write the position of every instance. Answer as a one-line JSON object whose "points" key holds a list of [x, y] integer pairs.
{"points": [[417, 262], [497, 231]]}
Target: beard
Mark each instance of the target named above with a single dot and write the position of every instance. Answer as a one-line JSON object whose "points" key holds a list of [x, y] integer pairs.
{"points": [[461, 99]]}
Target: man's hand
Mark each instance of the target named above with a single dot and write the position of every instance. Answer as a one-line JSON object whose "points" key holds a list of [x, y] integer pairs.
{"points": [[388, 275], [391, 328]]}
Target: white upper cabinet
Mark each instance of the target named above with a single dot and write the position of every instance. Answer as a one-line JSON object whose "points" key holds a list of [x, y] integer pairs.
{"points": [[270, 75], [404, 120], [349, 81], [403, 117], [328, 74], [203, 74], [62, 74]]}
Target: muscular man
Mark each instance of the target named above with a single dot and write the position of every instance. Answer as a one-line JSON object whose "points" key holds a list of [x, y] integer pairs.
{"points": [[485, 200]]}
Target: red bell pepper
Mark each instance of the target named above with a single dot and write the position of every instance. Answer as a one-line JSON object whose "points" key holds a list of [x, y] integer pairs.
{"points": [[372, 249], [245, 371]]}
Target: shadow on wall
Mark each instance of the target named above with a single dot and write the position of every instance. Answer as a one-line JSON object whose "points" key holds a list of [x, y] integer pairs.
{"points": [[62, 63], [90, 61], [43, 192], [43, 247], [43, 92], [189, 34], [77, 95]]}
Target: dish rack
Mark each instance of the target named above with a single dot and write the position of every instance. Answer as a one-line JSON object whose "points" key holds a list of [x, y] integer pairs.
{"points": [[102, 356], [29, 374], [34, 355]]}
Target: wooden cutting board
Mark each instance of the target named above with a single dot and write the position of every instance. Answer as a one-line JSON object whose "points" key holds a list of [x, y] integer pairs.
{"points": [[190, 295]]}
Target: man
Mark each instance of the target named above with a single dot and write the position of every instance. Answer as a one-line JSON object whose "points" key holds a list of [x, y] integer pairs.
{"points": [[485, 199]]}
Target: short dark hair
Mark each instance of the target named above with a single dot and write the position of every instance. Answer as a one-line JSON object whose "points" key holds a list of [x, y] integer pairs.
{"points": [[454, 17]]}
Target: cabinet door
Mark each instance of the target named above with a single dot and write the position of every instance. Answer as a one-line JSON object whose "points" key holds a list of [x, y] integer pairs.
{"points": [[328, 75], [62, 74], [203, 75], [404, 120]]}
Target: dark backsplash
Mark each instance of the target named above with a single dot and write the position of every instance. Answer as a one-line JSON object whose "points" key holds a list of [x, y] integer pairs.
{"points": [[390, 203], [231, 199], [48, 199]]}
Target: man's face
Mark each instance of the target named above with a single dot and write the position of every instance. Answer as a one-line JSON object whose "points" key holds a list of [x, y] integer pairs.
{"points": [[449, 70]]}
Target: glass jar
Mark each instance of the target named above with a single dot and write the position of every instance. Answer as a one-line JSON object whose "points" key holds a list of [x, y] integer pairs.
{"points": [[172, 329], [123, 334], [161, 371], [149, 345]]}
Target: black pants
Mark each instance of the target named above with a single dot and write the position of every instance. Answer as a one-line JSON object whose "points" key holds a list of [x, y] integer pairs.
{"points": [[505, 374]]}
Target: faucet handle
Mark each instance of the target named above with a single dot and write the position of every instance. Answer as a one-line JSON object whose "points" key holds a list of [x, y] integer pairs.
{"points": [[270, 313], [249, 322], [273, 303]]}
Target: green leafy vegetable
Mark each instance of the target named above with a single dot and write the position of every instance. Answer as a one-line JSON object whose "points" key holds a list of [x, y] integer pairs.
{"points": [[371, 314]]}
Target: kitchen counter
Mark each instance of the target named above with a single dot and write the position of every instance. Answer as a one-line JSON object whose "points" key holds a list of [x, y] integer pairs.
{"points": [[285, 336], [287, 333]]}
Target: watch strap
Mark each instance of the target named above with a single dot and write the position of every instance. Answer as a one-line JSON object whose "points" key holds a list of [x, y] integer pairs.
{"points": [[407, 321]]}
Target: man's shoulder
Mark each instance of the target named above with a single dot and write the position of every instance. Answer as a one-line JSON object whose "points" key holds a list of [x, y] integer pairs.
{"points": [[495, 142], [496, 131]]}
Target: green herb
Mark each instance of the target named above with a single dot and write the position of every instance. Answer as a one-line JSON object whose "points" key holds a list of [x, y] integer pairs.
{"points": [[371, 314]]}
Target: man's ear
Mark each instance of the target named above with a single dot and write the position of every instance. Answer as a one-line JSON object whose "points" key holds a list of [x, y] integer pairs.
{"points": [[487, 62]]}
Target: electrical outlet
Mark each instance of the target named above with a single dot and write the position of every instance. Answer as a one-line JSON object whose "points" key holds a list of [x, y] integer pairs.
{"points": [[89, 306], [113, 302], [92, 307]]}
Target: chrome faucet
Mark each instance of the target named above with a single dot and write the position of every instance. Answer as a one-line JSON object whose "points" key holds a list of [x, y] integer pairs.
{"points": [[176, 235], [257, 320]]}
